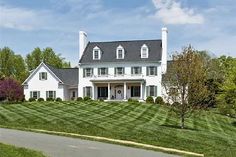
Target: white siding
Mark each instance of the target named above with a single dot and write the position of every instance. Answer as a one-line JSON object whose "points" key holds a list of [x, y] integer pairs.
{"points": [[51, 84]]}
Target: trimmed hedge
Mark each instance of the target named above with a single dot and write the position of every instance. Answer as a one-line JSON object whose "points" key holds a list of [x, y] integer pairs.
{"points": [[79, 99], [150, 100], [58, 99], [50, 99], [40, 99], [32, 99], [159, 100], [87, 98]]}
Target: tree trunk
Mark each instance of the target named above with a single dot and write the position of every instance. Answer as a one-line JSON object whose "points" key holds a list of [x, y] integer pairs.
{"points": [[182, 121]]}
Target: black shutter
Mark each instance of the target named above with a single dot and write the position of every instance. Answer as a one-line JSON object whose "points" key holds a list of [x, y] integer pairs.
{"points": [[147, 71], [132, 70], [156, 71], [84, 72]]}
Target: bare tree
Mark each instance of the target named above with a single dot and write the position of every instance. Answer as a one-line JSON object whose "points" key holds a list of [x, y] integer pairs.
{"points": [[185, 83]]}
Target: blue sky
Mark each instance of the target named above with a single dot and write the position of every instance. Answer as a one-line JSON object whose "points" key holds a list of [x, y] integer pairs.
{"points": [[206, 24]]}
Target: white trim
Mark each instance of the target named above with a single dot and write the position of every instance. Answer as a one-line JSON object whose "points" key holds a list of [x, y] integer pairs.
{"points": [[117, 52], [99, 53], [142, 52], [33, 73]]}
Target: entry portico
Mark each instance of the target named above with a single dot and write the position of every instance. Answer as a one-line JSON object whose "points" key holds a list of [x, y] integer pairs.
{"points": [[118, 89]]}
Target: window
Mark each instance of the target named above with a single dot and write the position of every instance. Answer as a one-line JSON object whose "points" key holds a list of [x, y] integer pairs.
{"points": [[51, 94], [135, 91], [144, 51], [119, 71], [96, 53], [152, 70], [151, 90], [35, 94], [87, 91], [102, 92], [42, 76], [88, 72], [120, 52], [102, 71], [136, 70], [73, 94]]}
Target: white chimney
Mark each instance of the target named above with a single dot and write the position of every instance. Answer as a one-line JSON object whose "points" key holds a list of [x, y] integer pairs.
{"points": [[83, 41], [164, 50]]}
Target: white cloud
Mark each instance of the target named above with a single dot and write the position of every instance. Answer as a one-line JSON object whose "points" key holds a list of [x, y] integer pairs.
{"points": [[171, 12], [18, 18]]}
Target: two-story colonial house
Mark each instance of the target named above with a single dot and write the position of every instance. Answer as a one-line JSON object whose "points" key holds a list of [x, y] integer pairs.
{"points": [[119, 70], [114, 70]]}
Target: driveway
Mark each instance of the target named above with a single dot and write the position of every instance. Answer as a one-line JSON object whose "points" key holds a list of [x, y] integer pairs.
{"points": [[58, 146]]}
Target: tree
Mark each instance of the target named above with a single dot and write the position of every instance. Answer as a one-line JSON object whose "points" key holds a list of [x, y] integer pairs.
{"points": [[227, 97], [11, 90], [185, 83], [48, 56], [12, 65]]}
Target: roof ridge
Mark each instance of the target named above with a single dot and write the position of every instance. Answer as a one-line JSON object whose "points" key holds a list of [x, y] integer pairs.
{"points": [[125, 40]]}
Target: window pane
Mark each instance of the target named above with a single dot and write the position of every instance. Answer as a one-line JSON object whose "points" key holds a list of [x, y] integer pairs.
{"points": [[96, 54], [119, 71], [120, 54], [135, 91], [152, 90]]}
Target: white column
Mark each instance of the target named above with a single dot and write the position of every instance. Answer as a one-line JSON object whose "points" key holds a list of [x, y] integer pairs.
{"points": [[125, 91], [109, 91], [141, 90], [93, 90]]}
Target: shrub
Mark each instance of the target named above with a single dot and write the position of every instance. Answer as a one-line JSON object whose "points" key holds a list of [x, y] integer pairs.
{"points": [[167, 104], [101, 99], [58, 99], [40, 99], [150, 100], [132, 100], [50, 99], [79, 99], [159, 100], [87, 98], [32, 99], [11, 90]]}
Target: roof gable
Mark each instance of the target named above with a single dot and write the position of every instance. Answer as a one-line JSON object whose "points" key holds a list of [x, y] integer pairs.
{"points": [[132, 51], [68, 76]]}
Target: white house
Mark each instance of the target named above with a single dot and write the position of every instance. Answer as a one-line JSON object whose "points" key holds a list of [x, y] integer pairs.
{"points": [[115, 70], [46, 81], [119, 70]]}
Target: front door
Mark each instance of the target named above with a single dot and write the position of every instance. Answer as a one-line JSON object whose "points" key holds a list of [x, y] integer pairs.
{"points": [[119, 93]]}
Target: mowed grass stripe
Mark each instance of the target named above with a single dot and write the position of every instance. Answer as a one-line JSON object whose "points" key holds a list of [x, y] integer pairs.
{"points": [[208, 133]]}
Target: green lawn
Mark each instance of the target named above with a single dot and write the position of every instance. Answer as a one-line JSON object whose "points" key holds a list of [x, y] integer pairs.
{"points": [[209, 133], [12, 151]]}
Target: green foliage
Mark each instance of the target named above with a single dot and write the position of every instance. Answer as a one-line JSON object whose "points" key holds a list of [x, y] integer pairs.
{"points": [[87, 98], [132, 100], [159, 100], [46, 55], [12, 65], [79, 99], [32, 99], [227, 97], [58, 99], [49, 99], [187, 73], [40, 99], [150, 100]]}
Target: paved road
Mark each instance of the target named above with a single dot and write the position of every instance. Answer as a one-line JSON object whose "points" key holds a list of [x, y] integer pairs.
{"points": [[58, 146]]}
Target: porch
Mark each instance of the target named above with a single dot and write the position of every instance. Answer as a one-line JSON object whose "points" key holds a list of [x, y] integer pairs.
{"points": [[116, 90]]}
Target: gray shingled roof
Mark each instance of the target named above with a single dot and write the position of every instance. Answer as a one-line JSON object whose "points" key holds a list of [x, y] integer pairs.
{"points": [[132, 51], [68, 76]]}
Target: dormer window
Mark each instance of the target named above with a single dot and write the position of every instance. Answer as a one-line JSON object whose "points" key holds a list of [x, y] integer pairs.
{"points": [[120, 52], [96, 53], [144, 51]]}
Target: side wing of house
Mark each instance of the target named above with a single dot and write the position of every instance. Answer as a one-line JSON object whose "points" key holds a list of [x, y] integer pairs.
{"points": [[43, 83]]}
